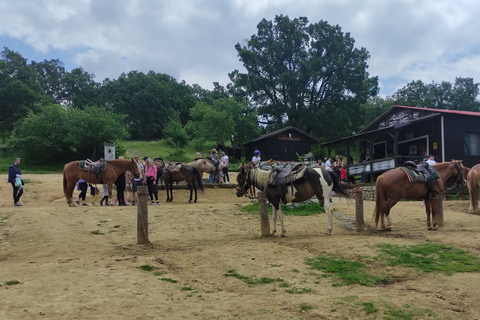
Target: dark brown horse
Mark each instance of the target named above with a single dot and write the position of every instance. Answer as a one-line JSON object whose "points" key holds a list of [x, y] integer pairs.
{"points": [[393, 185], [318, 182], [233, 153], [473, 183], [172, 173], [114, 168]]}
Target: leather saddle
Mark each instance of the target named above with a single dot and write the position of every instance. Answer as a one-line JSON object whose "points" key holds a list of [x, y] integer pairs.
{"points": [[423, 172], [174, 167], [94, 166], [282, 178]]}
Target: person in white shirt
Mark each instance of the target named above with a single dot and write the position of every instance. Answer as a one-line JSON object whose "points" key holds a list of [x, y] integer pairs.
{"points": [[224, 162], [328, 164], [431, 160], [256, 157]]}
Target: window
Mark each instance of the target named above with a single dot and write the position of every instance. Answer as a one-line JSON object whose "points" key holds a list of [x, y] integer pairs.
{"points": [[471, 144]]}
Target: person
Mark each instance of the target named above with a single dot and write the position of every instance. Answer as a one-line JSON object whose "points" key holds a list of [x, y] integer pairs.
{"points": [[319, 164], [343, 175], [137, 181], [151, 174], [431, 160], [198, 155], [214, 157], [94, 193], [82, 186], [224, 161], [337, 167], [15, 178], [120, 186], [329, 163], [105, 195], [256, 157]]}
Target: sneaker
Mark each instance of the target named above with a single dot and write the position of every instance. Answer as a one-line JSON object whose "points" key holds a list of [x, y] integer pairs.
{"points": [[78, 202], [18, 204], [133, 203], [152, 203], [84, 204], [158, 203]]}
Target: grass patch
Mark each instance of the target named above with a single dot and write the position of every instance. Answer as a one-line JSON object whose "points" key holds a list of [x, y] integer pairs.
{"points": [[169, 280], [251, 280], [345, 272], [147, 267], [96, 232], [300, 290], [304, 306], [429, 257], [303, 209], [12, 282]]}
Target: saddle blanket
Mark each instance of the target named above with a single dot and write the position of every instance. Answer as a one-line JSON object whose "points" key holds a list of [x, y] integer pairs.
{"points": [[83, 165], [418, 176]]}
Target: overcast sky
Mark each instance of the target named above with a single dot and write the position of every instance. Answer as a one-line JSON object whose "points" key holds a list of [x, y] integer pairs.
{"points": [[194, 40]]}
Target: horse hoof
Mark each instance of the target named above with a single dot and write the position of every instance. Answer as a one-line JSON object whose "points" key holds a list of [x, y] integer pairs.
{"points": [[71, 205], [189, 201]]}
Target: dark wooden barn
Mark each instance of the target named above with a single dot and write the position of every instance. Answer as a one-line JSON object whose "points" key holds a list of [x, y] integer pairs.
{"points": [[409, 133], [281, 145]]}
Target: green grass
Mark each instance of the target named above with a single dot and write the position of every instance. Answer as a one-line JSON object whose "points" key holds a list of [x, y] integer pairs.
{"points": [[345, 272], [97, 232], [11, 282], [304, 209], [169, 280], [429, 257], [251, 280]]}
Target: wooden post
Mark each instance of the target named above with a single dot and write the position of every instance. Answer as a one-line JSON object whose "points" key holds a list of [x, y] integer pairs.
{"points": [[439, 211], [142, 215], [359, 223], [262, 206]]}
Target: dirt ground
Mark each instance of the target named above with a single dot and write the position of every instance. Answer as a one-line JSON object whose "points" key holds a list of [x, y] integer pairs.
{"points": [[67, 272]]}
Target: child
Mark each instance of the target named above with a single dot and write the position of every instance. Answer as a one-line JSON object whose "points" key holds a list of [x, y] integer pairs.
{"points": [[94, 193], [105, 195]]}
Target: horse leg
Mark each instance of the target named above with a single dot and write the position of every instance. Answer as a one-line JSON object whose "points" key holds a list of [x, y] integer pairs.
{"points": [[328, 209], [195, 188], [69, 193], [191, 192], [274, 218], [280, 214]]}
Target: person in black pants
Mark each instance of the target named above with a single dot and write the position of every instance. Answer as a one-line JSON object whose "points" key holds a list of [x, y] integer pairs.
{"points": [[15, 178], [82, 186], [121, 183]]}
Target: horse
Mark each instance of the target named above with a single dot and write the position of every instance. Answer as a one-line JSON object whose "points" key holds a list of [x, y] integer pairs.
{"points": [[207, 166], [114, 168], [393, 185], [318, 182], [473, 183], [232, 152], [189, 174]]}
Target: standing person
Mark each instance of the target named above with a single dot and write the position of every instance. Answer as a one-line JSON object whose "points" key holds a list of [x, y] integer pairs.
{"points": [[329, 163], [15, 178], [337, 167], [151, 174], [319, 164], [105, 195], [224, 161], [120, 184], [431, 160], [256, 157], [82, 186], [137, 181], [216, 162]]}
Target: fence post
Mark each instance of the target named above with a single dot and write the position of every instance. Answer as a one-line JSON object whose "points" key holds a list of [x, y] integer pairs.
{"points": [[359, 223], [142, 215], [439, 211], [262, 206]]}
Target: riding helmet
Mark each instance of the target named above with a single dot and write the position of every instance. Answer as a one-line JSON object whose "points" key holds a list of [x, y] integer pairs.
{"points": [[256, 152]]}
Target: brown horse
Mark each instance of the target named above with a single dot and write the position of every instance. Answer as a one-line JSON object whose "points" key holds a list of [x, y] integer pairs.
{"points": [[114, 168], [189, 174], [318, 182], [393, 185], [473, 183], [207, 166]]}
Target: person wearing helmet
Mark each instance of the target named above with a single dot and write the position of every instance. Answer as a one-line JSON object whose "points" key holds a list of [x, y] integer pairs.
{"points": [[256, 157]]}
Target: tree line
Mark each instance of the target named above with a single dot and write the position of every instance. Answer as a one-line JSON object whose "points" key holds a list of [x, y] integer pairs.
{"points": [[308, 75]]}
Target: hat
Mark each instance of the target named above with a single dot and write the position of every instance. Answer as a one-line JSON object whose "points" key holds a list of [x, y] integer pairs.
{"points": [[256, 152], [214, 150]]}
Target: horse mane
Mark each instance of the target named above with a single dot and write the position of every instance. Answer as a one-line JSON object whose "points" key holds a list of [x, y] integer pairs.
{"points": [[259, 178]]}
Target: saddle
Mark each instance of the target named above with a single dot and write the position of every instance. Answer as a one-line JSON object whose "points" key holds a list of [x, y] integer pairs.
{"points": [[214, 161], [282, 178], [95, 166], [422, 172], [174, 167]]}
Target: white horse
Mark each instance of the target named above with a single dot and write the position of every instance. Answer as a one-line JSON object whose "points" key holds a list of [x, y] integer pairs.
{"points": [[319, 182]]}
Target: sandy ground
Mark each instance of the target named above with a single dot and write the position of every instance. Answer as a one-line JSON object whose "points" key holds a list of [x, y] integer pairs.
{"points": [[67, 272]]}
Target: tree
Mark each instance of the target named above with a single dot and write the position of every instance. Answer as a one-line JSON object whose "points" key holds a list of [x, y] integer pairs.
{"points": [[51, 76], [20, 91], [223, 120], [308, 76], [81, 90], [57, 134], [462, 95]]}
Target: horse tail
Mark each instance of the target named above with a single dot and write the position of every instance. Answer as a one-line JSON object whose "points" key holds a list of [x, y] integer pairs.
{"points": [[380, 200], [64, 182], [472, 185], [199, 179], [341, 188]]}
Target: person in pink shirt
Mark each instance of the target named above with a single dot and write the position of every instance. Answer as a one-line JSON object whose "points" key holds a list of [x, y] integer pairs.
{"points": [[151, 174]]}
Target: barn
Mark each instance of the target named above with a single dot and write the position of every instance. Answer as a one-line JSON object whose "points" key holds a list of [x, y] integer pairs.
{"points": [[282, 145], [409, 133]]}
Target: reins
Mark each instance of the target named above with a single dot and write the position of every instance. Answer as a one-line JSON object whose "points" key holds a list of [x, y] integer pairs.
{"points": [[459, 173], [247, 187]]}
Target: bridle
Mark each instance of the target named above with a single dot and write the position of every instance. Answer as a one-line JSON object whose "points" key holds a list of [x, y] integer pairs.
{"points": [[246, 187], [459, 174]]}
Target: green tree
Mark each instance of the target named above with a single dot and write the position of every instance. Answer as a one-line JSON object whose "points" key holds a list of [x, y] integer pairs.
{"points": [[51, 76], [57, 134], [308, 76], [175, 132], [81, 90], [20, 91], [462, 95]]}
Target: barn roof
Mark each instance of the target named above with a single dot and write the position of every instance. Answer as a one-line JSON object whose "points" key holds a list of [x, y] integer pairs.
{"points": [[272, 134]]}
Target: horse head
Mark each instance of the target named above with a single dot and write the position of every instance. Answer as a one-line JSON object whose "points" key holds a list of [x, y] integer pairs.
{"points": [[243, 183], [460, 176]]}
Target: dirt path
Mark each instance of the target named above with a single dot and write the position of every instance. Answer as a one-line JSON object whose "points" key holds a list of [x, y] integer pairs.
{"points": [[67, 272]]}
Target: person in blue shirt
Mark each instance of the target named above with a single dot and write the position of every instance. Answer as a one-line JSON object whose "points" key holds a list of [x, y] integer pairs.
{"points": [[15, 178]]}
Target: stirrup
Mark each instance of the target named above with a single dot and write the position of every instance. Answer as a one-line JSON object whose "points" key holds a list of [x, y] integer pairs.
{"points": [[433, 195]]}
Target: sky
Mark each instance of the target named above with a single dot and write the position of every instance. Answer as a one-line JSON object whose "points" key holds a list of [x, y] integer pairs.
{"points": [[194, 40]]}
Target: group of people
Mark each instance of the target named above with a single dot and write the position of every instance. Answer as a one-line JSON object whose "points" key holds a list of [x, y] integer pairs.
{"points": [[223, 177]]}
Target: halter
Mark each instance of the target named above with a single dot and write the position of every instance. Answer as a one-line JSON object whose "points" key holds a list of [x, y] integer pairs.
{"points": [[459, 173], [246, 187]]}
